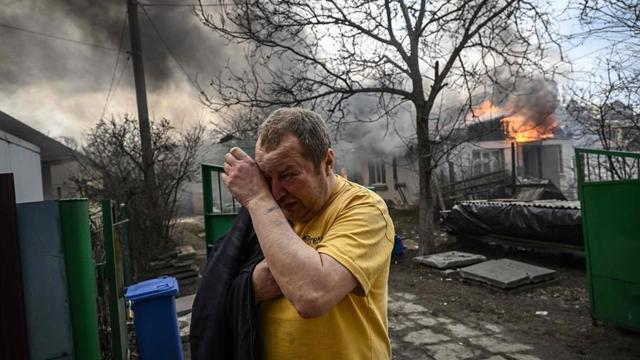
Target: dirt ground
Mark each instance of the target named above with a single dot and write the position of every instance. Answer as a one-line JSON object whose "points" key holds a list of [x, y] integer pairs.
{"points": [[566, 332]]}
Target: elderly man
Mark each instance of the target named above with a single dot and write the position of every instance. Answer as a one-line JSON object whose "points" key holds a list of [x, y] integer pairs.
{"points": [[327, 244]]}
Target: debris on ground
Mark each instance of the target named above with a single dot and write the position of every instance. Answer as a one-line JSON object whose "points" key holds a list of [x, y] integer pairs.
{"points": [[179, 263], [410, 244], [506, 274], [449, 259]]}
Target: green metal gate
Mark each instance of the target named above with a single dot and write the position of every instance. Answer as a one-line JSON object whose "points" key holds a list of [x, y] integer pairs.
{"points": [[220, 215], [609, 190]]}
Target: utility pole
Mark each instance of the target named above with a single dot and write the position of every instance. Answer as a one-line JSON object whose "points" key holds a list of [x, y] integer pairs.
{"points": [[141, 99]]}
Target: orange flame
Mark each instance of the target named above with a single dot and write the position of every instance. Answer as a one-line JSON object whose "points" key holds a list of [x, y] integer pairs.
{"points": [[517, 125], [521, 129]]}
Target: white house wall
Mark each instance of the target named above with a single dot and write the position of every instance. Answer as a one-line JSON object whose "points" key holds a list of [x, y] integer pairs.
{"points": [[461, 159], [23, 160], [357, 169], [58, 183], [568, 184]]}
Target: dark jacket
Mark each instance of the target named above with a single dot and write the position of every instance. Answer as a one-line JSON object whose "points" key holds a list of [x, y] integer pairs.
{"points": [[224, 318]]}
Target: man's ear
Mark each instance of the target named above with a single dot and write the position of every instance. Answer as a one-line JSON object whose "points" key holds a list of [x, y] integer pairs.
{"points": [[328, 162]]}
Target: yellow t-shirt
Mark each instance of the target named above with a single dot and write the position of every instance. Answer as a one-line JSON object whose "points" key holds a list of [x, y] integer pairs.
{"points": [[355, 229]]}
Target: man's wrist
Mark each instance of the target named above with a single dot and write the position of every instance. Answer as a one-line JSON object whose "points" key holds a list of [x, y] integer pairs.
{"points": [[264, 202]]}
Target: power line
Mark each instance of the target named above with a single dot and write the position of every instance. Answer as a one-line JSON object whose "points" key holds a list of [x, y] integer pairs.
{"points": [[155, 28], [115, 68], [16, 28], [115, 88]]}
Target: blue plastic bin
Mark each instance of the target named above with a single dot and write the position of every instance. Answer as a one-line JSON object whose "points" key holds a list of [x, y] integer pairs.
{"points": [[154, 315]]}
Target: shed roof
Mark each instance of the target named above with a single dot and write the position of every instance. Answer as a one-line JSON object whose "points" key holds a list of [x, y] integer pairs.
{"points": [[51, 150]]}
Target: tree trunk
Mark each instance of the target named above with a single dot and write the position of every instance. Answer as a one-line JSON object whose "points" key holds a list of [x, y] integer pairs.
{"points": [[425, 202]]}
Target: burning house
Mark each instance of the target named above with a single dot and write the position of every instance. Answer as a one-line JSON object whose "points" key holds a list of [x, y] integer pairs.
{"points": [[508, 148], [514, 175]]}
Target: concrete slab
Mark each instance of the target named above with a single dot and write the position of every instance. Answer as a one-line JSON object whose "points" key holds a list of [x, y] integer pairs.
{"points": [[424, 336], [184, 304], [423, 320], [450, 351], [406, 296], [495, 344], [449, 259], [403, 307], [506, 274], [397, 322], [462, 331]]}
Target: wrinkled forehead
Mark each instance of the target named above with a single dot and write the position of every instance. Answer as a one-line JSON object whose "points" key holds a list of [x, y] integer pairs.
{"points": [[287, 153]]}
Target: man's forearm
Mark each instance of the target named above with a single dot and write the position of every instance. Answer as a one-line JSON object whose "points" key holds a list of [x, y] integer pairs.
{"points": [[296, 267]]}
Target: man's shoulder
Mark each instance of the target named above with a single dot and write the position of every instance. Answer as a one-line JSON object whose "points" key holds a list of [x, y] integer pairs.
{"points": [[354, 200], [356, 194]]}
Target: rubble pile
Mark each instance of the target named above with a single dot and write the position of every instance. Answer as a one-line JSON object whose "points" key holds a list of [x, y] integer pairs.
{"points": [[179, 263]]}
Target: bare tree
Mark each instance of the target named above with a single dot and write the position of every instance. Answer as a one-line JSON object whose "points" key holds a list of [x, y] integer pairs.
{"points": [[242, 123], [113, 169], [614, 18], [607, 102], [406, 54]]}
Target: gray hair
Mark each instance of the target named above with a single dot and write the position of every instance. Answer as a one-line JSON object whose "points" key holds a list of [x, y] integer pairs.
{"points": [[306, 125]]}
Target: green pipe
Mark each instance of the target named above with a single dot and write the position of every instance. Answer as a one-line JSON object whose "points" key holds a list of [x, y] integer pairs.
{"points": [[81, 277]]}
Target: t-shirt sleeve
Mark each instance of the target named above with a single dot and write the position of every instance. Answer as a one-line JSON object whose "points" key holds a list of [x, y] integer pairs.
{"points": [[361, 239]]}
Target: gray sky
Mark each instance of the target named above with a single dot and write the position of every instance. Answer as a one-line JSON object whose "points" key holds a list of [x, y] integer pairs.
{"points": [[61, 87]]}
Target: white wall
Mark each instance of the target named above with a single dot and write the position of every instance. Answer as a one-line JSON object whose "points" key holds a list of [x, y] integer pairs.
{"points": [[59, 180], [568, 184], [23, 160], [461, 158], [355, 162]]}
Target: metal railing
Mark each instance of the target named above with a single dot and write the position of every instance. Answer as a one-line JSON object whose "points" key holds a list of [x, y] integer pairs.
{"points": [[594, 165], [216, 220]]}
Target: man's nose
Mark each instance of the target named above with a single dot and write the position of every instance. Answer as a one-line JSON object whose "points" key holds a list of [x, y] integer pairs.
{"points": [[277, 190]]}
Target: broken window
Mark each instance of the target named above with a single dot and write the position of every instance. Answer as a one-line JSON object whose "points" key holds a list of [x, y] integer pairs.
{"points": [[377, 173], [487, 161]]}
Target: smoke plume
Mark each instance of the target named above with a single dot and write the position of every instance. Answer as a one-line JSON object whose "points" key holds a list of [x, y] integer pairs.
{"points": [[60, 87]]}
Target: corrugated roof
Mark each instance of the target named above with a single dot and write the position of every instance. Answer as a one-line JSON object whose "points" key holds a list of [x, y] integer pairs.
{"points": [[551, 204]]}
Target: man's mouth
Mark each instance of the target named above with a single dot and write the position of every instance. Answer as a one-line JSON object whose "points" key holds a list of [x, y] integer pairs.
{"points": [[289, 205]]}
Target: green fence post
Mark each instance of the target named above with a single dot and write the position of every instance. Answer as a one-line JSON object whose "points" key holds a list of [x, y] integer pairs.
{"points": [[81, 277], [115, 278]]}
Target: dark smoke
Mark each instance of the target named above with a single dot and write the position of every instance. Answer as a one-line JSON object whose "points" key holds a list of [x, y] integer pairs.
{"points": [[534, 97], [100, 22]]}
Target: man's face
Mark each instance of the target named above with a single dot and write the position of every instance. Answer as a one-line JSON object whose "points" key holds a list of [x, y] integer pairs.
{"points": [[299, 187]]}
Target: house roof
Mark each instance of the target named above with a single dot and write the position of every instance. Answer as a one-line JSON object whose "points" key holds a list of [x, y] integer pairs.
{"points": [[51, 150]]}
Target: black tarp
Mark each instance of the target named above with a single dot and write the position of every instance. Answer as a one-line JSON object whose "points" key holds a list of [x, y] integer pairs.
{"points": [[552, 223]]}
